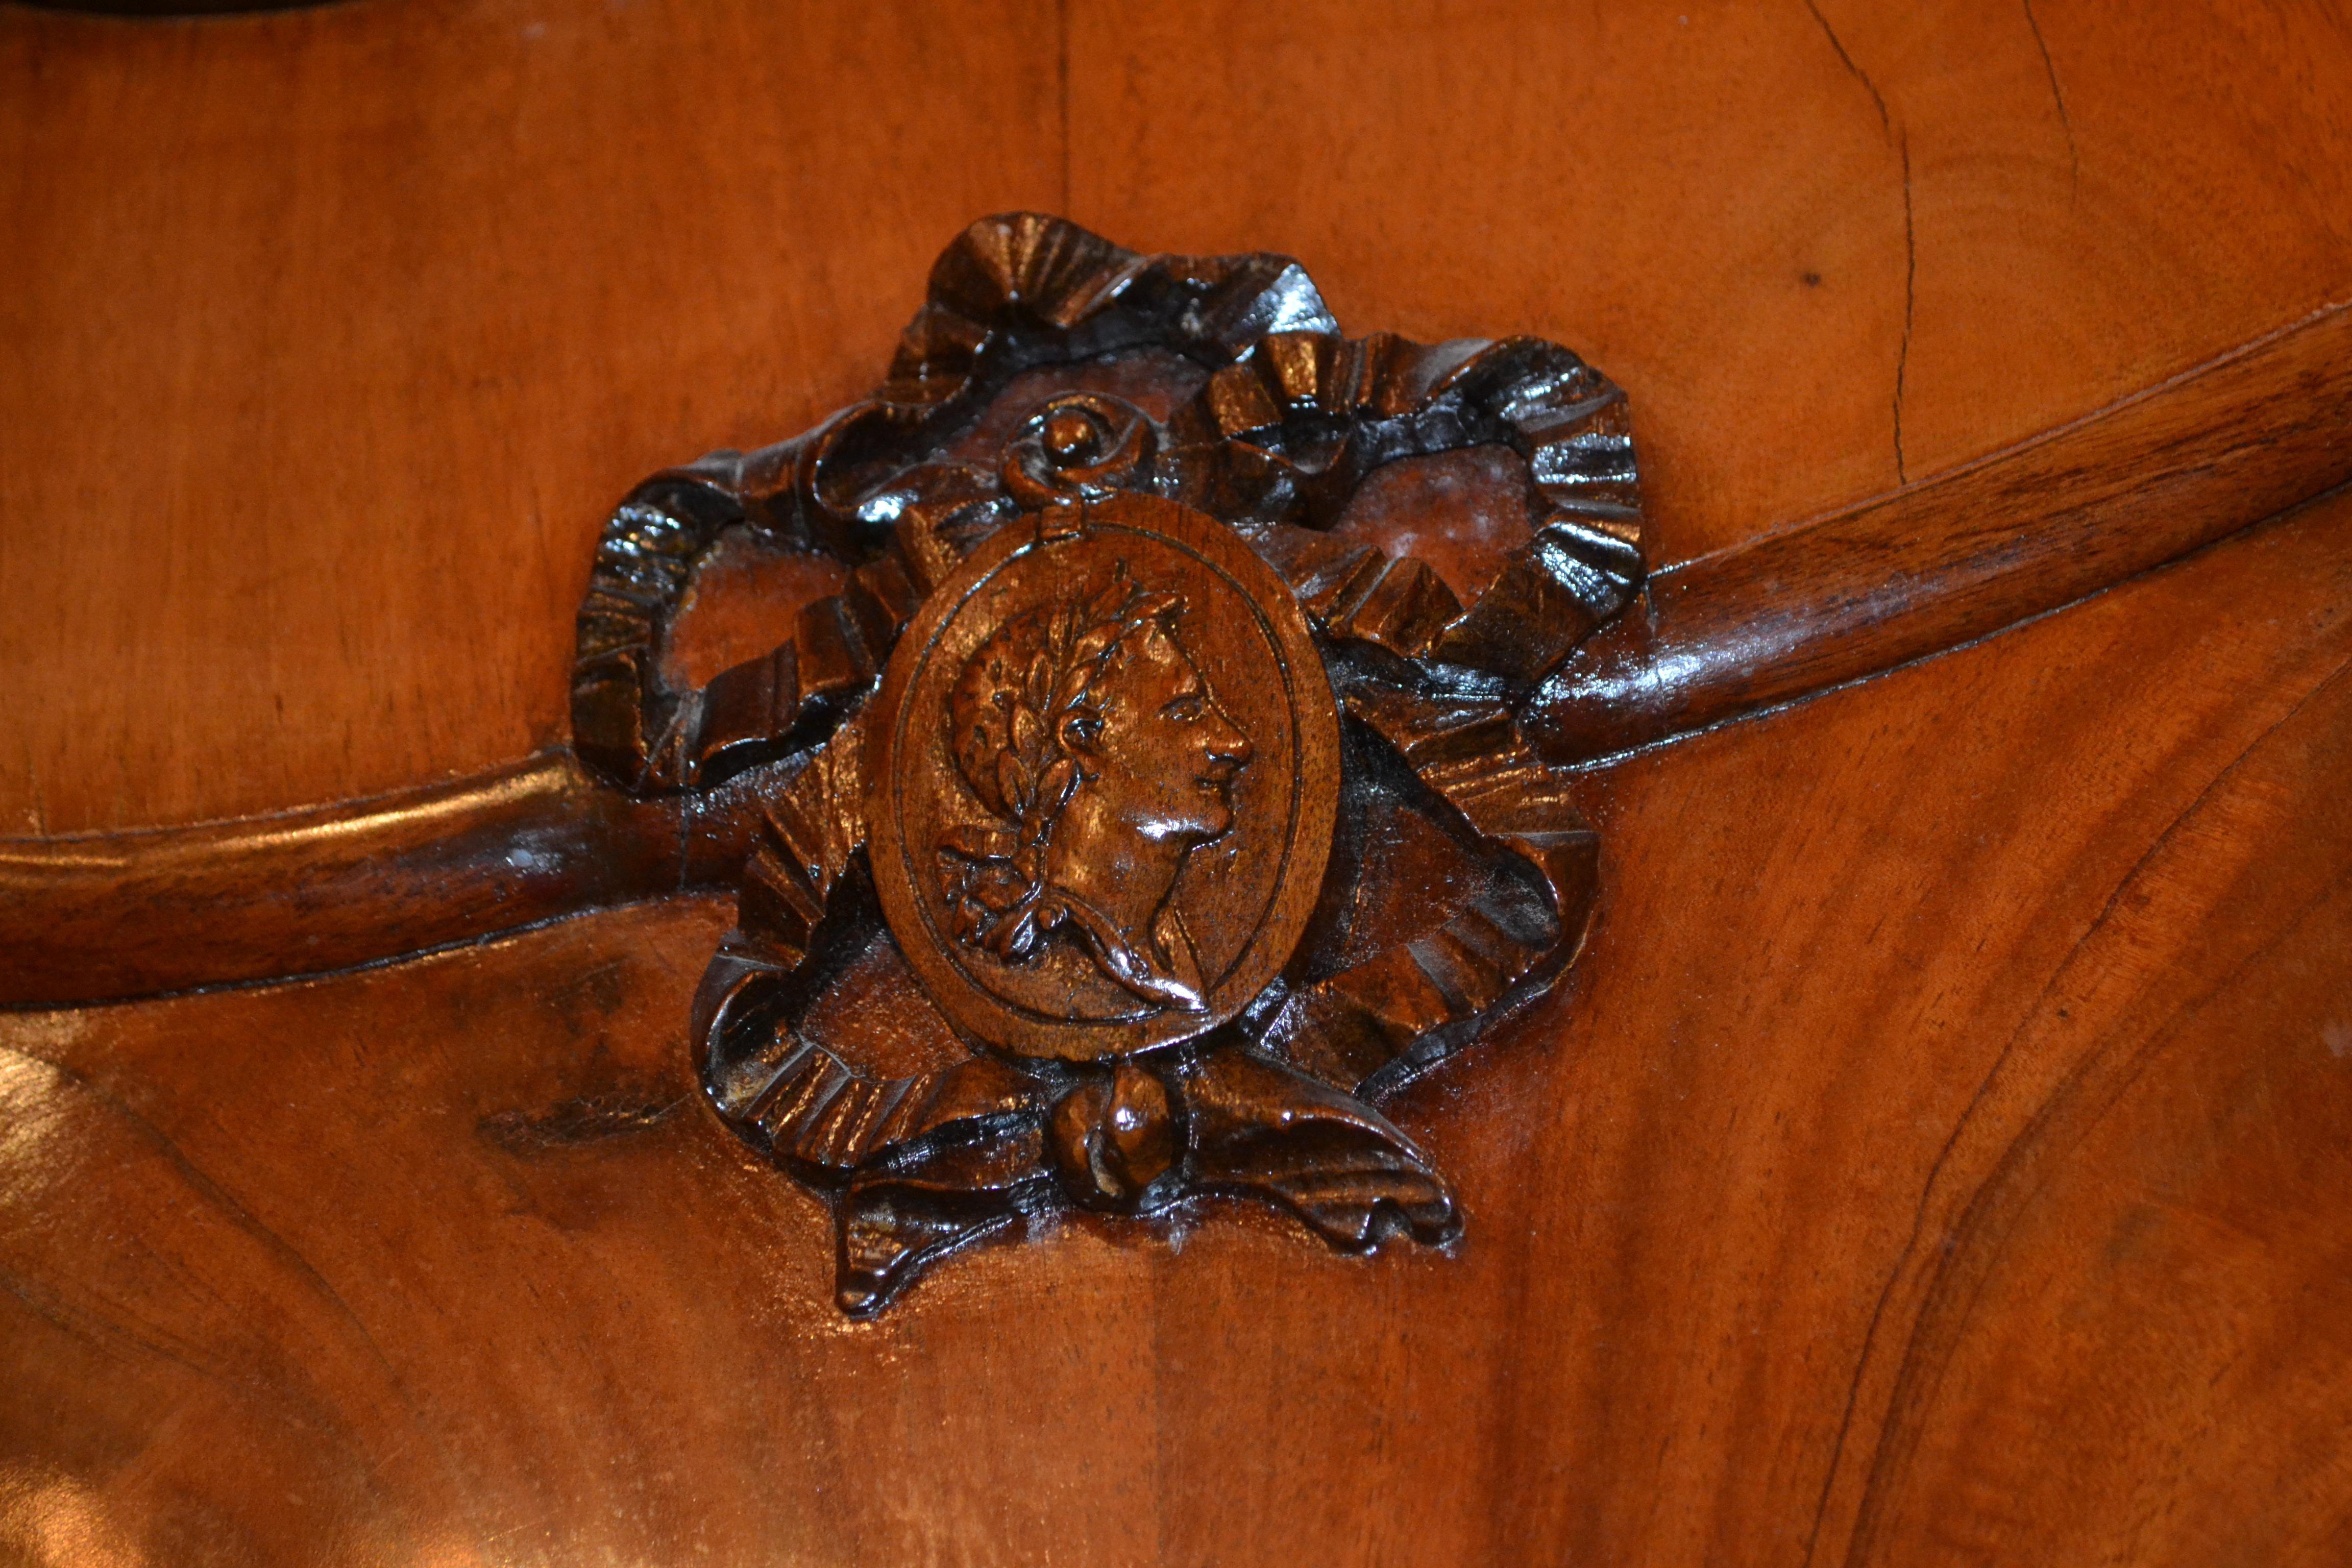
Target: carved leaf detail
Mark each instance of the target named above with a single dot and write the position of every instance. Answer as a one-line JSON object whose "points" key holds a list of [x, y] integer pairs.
{"points": [[1060, 783], [1040, 692], [1022, 698], [1012, 781]]}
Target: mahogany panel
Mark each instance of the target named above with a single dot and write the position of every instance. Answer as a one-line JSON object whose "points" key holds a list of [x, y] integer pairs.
{"points": [[1826, 247], [1902, 1007], [1937, 1157], [1819, 935], [343, 329], [2157, 1255]]}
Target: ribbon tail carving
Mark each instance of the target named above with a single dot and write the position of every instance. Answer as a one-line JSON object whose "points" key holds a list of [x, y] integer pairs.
{"points": [[1264, 1129], [976, 1161]]}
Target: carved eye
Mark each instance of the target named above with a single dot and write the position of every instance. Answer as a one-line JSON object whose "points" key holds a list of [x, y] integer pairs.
{"points": [[1185, 709]]}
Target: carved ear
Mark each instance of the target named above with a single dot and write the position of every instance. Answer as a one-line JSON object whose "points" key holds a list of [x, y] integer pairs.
{"points": [[1080, 732]]}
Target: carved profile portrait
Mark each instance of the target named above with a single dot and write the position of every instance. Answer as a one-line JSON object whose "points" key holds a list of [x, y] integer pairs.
{"points": [[1102, 759], [1064, 907]]}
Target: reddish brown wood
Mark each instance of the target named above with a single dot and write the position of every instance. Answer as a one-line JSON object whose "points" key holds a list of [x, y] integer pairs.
{"points": [[1966, 553], [1828, 248], [1235, 785], [443, 1258], [127, 914], [1839, 599], [503, 215], [1086, 826], [1937, 1157], [346, 326]]}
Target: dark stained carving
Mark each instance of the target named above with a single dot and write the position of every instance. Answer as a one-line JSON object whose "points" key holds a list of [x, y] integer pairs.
{"points": [[1287, 418], [1198, 826], [1104, 774], [1100, 757]]}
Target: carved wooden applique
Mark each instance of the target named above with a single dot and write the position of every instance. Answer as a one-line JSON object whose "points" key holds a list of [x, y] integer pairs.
{"points": [[1131, 820]]}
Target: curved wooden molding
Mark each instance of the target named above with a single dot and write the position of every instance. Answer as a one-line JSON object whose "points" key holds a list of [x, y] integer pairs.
{"points": [[1966, 552], [1949, 560], [304, 892]]}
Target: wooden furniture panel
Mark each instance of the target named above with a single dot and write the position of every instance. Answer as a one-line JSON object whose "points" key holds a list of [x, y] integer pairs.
{"points": [[1827, 247], [1928, 1080], [573, 245], [345, 327], [1938, 1155]]}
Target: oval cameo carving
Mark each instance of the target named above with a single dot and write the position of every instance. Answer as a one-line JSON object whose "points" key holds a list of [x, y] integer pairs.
{"points": [[1107, 773]]}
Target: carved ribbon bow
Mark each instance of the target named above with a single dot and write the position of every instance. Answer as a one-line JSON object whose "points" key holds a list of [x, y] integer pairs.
{"points": [[1394, 977]]}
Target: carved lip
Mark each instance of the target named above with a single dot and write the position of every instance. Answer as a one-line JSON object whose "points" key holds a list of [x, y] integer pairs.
{"points": [[1246, 905]]}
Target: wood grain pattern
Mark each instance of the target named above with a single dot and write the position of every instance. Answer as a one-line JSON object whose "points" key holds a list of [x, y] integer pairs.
{"points": [[1939, 1157], [1999, 898], [1964, 554], [316, 400], [1827, 247], [1878, 1119], [576, 246]]}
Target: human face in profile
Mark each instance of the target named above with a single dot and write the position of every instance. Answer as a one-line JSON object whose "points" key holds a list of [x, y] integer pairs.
{"points": [[1164, 753]]}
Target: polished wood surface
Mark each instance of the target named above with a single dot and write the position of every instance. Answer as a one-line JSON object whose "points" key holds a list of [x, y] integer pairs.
{"points": [[347, 326], [1967, 553], [1951, 1175], [571, 244], [1938, 1153], [133, 914], [1770, 621]]}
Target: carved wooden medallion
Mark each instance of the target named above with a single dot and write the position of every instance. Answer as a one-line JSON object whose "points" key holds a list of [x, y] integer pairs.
{"points": [[1107, 766], [1142, 809]]}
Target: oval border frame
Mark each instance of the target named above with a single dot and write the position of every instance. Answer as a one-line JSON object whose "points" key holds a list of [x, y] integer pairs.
{"points": [[1314, 717]]}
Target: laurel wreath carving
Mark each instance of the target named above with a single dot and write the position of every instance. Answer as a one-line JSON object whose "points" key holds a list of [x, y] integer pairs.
{"points": [[1023, 696]]}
